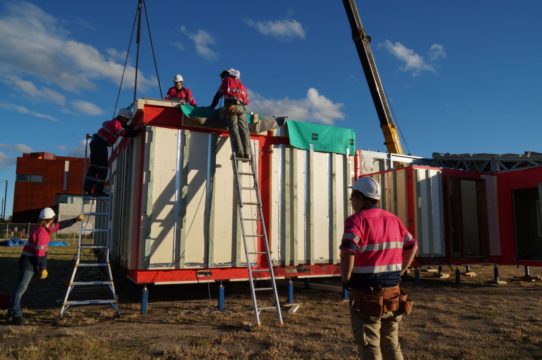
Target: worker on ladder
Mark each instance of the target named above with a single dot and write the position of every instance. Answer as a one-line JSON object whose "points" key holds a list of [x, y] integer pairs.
{"points": [[180, 93], [99, 156], [34, 258], [235, 102]]}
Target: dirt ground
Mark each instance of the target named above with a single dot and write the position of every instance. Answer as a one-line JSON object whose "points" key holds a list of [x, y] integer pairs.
{"points": [[473, 320]]}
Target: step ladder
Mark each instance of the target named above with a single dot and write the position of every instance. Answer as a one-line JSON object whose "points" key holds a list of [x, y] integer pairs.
{"points": [[91, 282], [249, 199]]}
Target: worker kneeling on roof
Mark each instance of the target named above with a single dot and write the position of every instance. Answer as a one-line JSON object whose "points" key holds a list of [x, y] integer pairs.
{"points": [[376, 250], [180, 93], [235, 102]]}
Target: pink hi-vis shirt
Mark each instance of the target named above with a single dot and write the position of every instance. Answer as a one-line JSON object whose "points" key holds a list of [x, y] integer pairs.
{"points": [[38, 241], [377, 238]]}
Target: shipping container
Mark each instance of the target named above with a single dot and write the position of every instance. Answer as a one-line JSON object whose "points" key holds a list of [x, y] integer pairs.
{"points": [[175, 216]]}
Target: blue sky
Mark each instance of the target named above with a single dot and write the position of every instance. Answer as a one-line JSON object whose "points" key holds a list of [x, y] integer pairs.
{"points": [[461, 76]]}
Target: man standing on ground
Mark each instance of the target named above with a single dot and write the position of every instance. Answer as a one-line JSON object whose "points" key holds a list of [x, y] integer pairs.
{"points": [[235, 102], [376, 250]]}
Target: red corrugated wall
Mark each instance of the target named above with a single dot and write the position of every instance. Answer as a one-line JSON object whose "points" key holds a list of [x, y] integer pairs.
{"points": [[31, 197]]}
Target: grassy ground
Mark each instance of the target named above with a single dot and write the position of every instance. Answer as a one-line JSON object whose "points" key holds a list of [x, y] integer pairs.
{"points": [[474, 320]]}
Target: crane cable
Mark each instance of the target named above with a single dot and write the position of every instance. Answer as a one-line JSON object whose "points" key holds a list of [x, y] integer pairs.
{"points": [[140, 4]]}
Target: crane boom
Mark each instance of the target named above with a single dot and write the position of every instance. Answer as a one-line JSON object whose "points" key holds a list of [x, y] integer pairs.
{"points": [[363, 47]]}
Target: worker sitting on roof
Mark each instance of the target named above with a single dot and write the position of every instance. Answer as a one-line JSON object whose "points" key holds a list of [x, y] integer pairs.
{"points": [[99, 157], [235, 102], [180, 93]]}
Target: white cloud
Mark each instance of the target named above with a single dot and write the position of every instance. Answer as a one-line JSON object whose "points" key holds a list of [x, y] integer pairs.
{"points": [[19, 148], [41, 93], [436, 52], [412, 62], [116, 55], [86, 108], [177, 45], [286, 29], [34, 45], [78, 151], [202, 41], [23, 110], [5, 161], [314, 107]]}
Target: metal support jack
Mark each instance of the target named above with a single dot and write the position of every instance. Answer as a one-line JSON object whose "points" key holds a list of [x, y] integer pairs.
{"points": [[249, 199], [91, 282]]}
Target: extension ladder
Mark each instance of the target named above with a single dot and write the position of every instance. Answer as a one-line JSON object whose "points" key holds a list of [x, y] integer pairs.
{"points": [[91, 282], [249, 198]]}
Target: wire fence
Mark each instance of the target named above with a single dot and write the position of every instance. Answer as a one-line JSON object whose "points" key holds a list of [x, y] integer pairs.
{"points": [[21, 231]]}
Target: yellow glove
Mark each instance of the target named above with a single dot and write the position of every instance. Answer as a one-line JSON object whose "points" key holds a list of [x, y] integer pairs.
{"points": [[80, 217], [44, 274]]}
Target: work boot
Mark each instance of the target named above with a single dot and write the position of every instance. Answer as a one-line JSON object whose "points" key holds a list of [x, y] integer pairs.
{"points": [[17, 320]]}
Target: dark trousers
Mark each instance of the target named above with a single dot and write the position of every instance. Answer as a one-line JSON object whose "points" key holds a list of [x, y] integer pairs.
{"points": [[97, 170]]}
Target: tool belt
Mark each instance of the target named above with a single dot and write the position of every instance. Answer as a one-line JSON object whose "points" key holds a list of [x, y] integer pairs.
{"points": [[375, 301]]}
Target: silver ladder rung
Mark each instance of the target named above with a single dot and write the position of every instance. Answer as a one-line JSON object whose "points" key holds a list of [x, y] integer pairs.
{"points": [[96, 213], [263, 289], [88, 283], [250, 219], [247, 188], [251, 203], [90, 302], [92, 264], [256, 252], [95, 230], [244, 173], [253, 236], [93, 246]]}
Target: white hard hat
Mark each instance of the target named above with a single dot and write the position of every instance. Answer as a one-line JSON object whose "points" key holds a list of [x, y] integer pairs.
{"points": [[125, 113], [47, 213], [368, 187], [178, 78], [234, 72]]}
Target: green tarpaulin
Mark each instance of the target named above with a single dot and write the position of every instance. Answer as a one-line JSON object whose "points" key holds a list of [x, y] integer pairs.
{"points": [[323, 138]]}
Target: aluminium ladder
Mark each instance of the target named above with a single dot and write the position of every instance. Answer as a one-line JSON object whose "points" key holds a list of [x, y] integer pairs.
{"points": [[91, 282], [245, 193]]}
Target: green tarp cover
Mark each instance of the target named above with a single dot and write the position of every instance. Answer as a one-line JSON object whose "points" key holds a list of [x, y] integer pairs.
{"points": [[323, 138], [204, 112]]}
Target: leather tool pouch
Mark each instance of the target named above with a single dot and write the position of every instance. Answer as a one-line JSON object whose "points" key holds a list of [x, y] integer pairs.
{"points": [[368, 305], [405, 303]]}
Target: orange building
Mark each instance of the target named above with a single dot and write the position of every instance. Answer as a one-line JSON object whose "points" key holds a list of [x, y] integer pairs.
{"points": [[41, 178]]}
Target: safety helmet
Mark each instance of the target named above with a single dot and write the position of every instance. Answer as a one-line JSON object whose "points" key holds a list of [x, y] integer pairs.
{"points": [[368, 186], [178, 78], [234, 72], [47, 213], [125, 113]]}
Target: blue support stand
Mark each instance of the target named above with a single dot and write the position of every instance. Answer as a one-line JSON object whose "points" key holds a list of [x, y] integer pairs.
{"points": [[457, 276], [346, 293], [417, 276], [220, 304], [527, 272], [290, 291], [496, 276], [144, 300]]}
